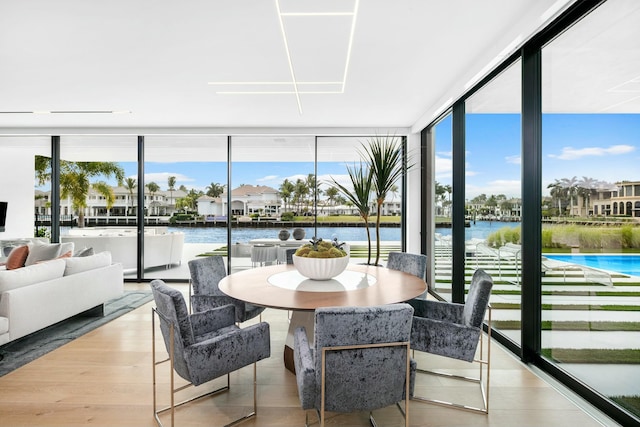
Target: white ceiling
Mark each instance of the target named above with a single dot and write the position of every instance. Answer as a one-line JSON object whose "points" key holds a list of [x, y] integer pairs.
{"points": [[156, 58]]}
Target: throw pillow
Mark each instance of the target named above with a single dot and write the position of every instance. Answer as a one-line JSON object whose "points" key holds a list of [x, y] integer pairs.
{"points": [[77, 265], [66, 255], [84, 252], [17, 257], [42, 253]]}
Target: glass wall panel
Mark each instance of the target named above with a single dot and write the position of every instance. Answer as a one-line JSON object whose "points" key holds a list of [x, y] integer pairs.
{"points": [[340, 162], [492, 193], [272, 197], [591, 123], [93, 201], [443, 192], [185, 202]]}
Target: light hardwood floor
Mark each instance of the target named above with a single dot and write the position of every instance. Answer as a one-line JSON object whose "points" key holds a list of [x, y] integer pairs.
{"points": [[104, 379]]}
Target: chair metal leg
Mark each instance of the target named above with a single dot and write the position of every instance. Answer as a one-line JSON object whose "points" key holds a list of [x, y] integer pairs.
{"points": [[480, 379], [173, 405]]}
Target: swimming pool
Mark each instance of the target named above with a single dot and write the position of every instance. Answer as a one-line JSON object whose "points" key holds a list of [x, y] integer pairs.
{"points": [[626, 264]]}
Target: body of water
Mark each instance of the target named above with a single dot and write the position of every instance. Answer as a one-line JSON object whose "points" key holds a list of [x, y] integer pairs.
{"points": [[626, 264], [243, 235], [480, 229]]}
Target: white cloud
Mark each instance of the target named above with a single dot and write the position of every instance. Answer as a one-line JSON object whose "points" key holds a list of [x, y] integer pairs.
{"points": [[514, 160], [267, 178], [570, 153]]}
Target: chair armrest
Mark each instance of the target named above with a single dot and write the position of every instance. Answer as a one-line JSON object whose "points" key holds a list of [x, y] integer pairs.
{"points": [[227, 352], [444, 338], [305, 369], [207, 302], [212, 320], [439, 310]]}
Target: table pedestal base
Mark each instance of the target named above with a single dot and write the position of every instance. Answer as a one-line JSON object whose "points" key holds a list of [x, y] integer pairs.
{"points": [[298, 319]]}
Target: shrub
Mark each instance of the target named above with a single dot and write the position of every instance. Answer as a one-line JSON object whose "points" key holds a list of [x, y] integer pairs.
{"points": [[590, 238], [626, 236], [547, 239], [287, 216]]}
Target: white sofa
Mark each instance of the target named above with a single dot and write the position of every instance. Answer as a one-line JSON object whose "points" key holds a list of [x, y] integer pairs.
{"points": [[160, 249], [39, 295]]}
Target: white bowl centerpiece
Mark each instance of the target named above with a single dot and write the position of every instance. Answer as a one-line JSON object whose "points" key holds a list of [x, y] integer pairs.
{"points": [[321, 260]]}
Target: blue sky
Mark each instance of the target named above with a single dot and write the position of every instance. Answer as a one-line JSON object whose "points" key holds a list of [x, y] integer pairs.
{"points": [[600, 146]]}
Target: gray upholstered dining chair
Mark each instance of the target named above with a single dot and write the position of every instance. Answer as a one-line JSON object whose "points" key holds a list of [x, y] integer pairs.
{"points": [[203, 346], [455, 331], [359, 360], [415, 264], [204, 293]]}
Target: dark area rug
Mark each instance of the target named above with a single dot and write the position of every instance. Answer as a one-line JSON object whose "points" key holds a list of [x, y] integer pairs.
{"points": [[23, 350]]}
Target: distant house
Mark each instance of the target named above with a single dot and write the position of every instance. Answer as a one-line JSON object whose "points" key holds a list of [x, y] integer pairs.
{"points": [[161, 203], [624, 199], [245, 200]]}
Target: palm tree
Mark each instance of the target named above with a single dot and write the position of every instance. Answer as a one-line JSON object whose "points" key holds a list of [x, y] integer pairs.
{"points": [[75, 181], [215, 190], [331, 194], [286, 192], [299, 193], [153, 189], [557, 192], [586, 187], [171, 182], [384, 157], [130, 184], [362, 182], [569, 184]]}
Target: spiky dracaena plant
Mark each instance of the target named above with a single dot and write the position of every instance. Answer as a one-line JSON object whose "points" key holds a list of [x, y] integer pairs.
{"points": [[384, 155], [362, 183]]}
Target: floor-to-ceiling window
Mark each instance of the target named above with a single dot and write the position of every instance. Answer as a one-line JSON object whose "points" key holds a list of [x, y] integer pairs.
{"points": [[185, 183], [342, 171], [578, 125], [273, 189], [492, 193], [591, 123], [93, 200], [442, 209]]}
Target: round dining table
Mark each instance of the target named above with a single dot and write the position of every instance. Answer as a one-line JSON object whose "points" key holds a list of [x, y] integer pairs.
{"points": [[282, 287]]}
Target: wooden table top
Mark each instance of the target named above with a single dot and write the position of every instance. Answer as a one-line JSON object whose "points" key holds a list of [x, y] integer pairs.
{"points": [[387, 287]]}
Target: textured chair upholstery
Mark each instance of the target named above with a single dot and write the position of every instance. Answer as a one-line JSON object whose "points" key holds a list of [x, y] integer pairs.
{"points": [[205, 345], [289, 254], [206, 273], [363, 378], [415, 264], [455, 330]]}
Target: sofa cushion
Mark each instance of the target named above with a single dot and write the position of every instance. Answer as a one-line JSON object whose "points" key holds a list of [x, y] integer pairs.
{"points": [[12, 279], [76, 265], [17, 257], [4, 325], [42, 252]]}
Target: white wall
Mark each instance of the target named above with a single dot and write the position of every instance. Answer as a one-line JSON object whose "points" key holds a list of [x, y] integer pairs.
{"points": [[17, 172]]}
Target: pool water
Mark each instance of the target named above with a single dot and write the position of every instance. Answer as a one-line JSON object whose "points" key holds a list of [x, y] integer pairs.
{"points": [[626, 264]]}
